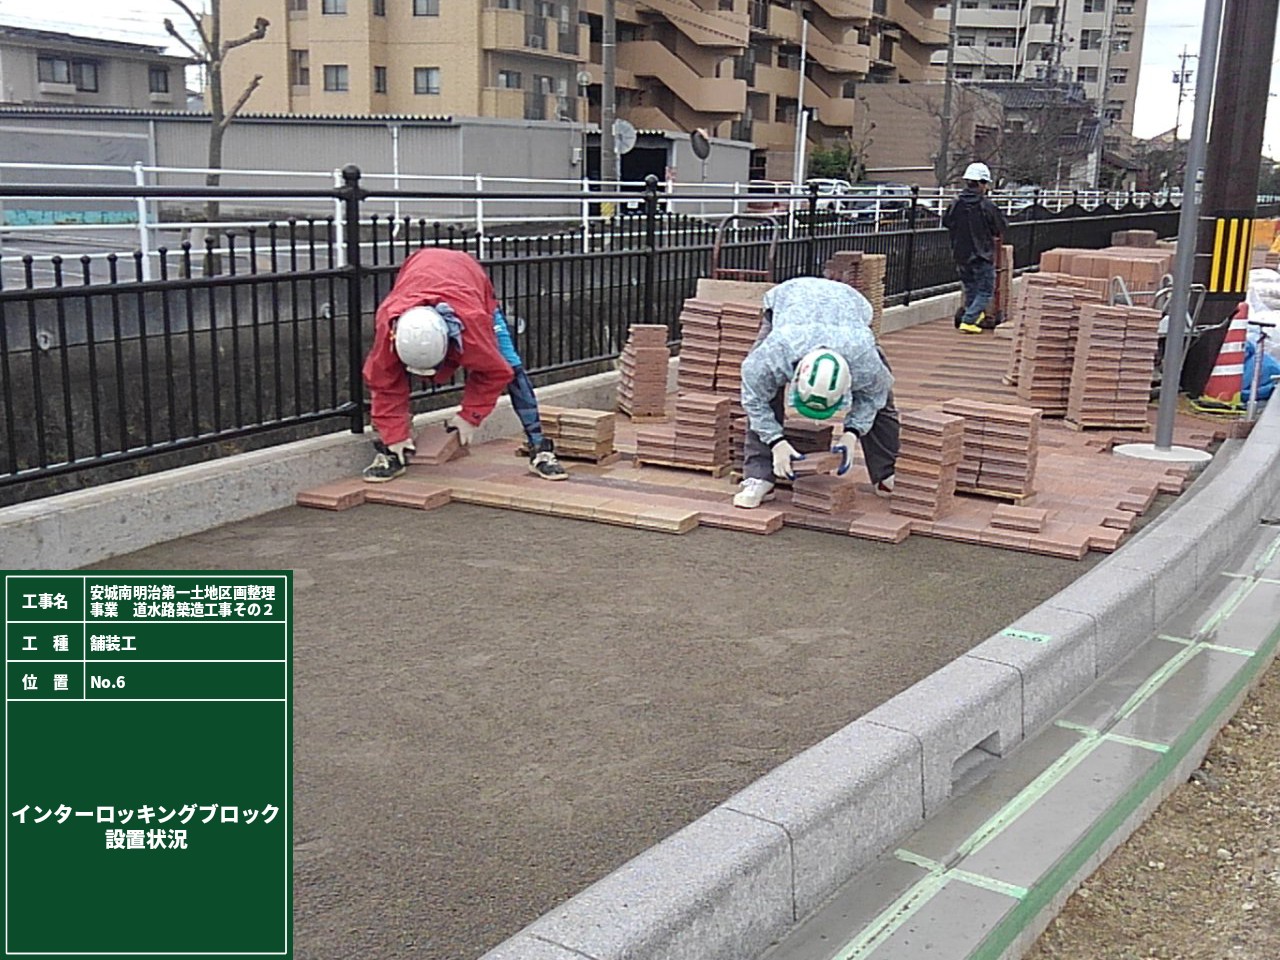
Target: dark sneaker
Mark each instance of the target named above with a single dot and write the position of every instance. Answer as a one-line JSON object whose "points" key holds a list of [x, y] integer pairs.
{"points": [[546, 466], [386, 466], [959, 316], [990, 321]]}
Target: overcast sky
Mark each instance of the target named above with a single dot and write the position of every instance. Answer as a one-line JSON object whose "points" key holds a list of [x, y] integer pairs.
{"points": [[1170, 26]]}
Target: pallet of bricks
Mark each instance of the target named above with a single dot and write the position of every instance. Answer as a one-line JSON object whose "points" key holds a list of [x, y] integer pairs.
{"points": [[579, 434], [1114, 359], [642, 383], [1000, 448], [932, 445], [1043, 354], [865, 272], [739, 327], [697, 440], [1141, 268]]}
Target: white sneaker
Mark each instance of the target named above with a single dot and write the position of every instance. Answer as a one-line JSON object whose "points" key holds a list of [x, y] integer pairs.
{"points": [[885, 487], [751, 493]]}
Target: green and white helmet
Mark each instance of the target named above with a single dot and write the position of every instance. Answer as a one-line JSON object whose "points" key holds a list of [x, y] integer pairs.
{"points": [[820, 387]]}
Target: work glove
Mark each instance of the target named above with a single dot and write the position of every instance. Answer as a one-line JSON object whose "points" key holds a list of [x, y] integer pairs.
{"points": [[783, 455], [462, 428], [845, 446]]}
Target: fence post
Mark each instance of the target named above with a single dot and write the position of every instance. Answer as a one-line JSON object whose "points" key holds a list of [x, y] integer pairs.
{"points": [[811, 234], [479, 204], [351, 194], [144, 235], [1035, 215], [909, 264], [737, 192], [650, 243]]}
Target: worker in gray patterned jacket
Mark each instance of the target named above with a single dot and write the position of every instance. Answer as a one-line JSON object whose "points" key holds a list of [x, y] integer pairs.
{"points": [[816, 350]]}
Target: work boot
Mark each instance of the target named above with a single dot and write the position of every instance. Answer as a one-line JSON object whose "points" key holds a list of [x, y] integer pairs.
{"points": [[752, 492], [387, 464], [545, 464]]}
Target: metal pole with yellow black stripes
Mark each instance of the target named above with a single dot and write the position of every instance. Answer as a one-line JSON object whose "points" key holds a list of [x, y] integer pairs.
{"points": [[1230, 256]]}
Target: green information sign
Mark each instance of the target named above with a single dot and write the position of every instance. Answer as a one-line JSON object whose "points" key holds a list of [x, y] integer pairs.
{"points": [[148, 753]]}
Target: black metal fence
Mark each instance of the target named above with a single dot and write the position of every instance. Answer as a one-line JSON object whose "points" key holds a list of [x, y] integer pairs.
{"points": [[258, 337]]}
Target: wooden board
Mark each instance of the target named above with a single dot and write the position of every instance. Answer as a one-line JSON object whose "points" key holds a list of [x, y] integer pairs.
{"points": [[717, 471]]}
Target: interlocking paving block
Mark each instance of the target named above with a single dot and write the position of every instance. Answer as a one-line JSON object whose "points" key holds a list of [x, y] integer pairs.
{"points": [[408, 493], [667, 519], [841, 802], [720, 889], [1054, 654], [340, 495], [965, 715], [760, 520], [436, 445]]}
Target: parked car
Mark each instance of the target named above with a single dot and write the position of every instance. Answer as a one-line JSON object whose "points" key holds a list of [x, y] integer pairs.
{"points": [[879, 201], [831, 193], [768, 197]]}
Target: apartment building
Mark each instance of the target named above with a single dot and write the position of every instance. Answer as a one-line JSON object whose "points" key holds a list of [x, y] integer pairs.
{"points": [[731, 67], [48, 68], [1097, 43]]}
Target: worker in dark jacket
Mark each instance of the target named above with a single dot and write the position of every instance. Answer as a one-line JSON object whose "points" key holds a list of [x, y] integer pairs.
{"points": [[975, 225]]}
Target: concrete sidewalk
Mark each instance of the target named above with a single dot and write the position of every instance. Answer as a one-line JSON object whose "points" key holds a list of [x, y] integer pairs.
{"points": [[496, 709]]}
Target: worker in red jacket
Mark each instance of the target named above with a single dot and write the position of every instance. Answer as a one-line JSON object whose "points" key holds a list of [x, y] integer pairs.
{"points": [[441, 315]]}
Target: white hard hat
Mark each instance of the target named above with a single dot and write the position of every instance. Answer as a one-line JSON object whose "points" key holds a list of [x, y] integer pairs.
{"points": [[422, 340], [977, 172], [820, 386]]}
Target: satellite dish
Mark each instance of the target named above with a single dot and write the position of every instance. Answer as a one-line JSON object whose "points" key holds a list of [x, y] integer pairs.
{"points": [[701, 144], [624, 136], [584, 79]]}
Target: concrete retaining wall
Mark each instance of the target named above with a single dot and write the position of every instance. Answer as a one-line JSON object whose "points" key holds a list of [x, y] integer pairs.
{"points": [[729, 884]]}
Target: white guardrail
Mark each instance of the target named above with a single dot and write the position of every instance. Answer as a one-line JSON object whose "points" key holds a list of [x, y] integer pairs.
{"points": [[103, 234]]}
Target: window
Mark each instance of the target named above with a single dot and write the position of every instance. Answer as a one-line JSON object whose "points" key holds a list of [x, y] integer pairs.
{"points": [[335, 77], [1087, 75], [1120, 76], [379, 79], [426, 8], [1090, 39], [1095, 6], [1124, 8], [999, 73], [85, 75], [158, 78], [53, 70], [966, 39], [510, 79], [964, 73], [300, 68], [333, 6], [297, 6], [379, 8], [426, 80], [1124, 41]]}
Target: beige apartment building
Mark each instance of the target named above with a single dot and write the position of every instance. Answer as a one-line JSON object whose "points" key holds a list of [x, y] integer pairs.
{"points": [[48, 68], [731, 67], [1097, 43]]}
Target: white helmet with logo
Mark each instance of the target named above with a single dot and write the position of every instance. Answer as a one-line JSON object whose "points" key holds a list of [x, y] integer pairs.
{"points": [[820, 386], [422, 340], [977, 172]]}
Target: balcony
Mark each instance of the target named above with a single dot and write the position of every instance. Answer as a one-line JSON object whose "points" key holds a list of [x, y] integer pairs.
{"points": [[832, 111], [847, 57], [849, 9], [502, 30], [707, 28], [502, 102], [781, 23], [779, 81], [917, 19], [649, 58]]}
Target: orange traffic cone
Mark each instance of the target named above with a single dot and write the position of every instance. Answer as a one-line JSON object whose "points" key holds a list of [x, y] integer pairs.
{"points": [[1222, 391]]}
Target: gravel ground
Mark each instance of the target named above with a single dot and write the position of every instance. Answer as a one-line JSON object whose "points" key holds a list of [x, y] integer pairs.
{"points": [[1200, 880]]}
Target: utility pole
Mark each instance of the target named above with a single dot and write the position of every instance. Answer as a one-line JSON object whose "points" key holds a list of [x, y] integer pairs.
{"points": [[1104, 90], [1181, 77], [1231, 167], [797, 168], [608, 95], [942, 166]]}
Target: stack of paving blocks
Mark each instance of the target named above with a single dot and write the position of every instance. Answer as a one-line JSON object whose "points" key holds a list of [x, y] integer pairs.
{"points": [[823, 493], [1046, 341], [1140, 267], [1133, 238], [579, 434], [1004, 283], [699, 345], [1001, 445], [1114, 361], [932, 444], [642, 388], [808, 436], [865, 273], [699, 438], [739, 327]]}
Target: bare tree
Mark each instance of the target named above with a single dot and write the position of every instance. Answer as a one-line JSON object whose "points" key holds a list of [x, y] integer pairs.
{"points": [[972, 115], [1034, 148], [211, 52]]}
